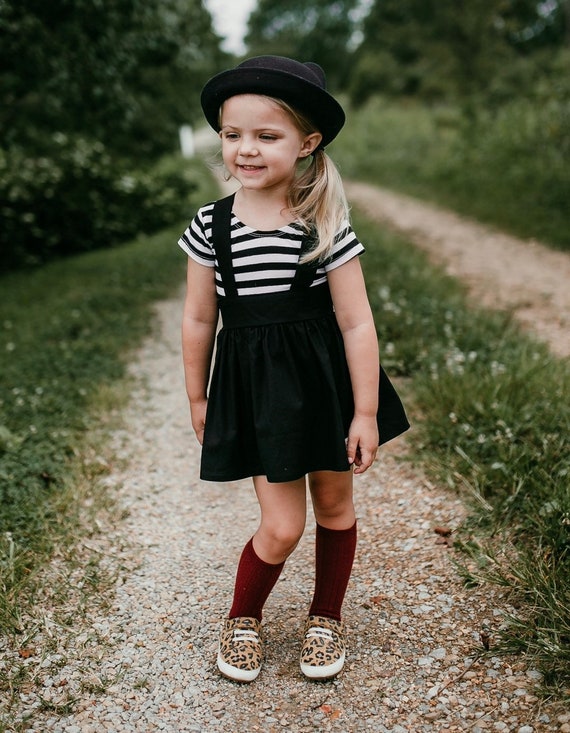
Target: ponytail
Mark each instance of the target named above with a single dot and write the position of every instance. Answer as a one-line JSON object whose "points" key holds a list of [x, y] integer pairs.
{"points": [[318, 201]]}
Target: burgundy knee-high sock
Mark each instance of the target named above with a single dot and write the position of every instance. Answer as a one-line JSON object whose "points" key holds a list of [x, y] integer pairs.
{"points": [[334, 555], [255, 579]]}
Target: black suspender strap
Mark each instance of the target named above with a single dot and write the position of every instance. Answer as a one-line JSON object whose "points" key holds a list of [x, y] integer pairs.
{"points": [[221, 238], [305, 273]]}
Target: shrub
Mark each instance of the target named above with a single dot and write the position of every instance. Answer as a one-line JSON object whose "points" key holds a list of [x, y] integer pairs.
{"points": [[78, 197]]}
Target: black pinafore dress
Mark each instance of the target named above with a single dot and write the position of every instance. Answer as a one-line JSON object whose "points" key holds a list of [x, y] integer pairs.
{"points": [[280, 398]]}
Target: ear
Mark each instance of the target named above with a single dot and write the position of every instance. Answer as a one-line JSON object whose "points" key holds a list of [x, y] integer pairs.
{"points": [[310, 144]]}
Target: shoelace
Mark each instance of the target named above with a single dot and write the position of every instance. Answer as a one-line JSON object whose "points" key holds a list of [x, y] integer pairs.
{"points": [[245, 635], [319, 632]]}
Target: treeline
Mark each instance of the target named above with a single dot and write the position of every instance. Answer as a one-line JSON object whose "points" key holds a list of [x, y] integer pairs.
{"points": [[93, 92], [476, 52]]}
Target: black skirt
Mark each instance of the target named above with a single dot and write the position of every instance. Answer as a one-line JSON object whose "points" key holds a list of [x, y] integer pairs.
{"points": [[280, 400]]}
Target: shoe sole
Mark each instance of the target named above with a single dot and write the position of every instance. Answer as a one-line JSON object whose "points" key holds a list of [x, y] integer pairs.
{"points": [[234, 673], [325, 672]]}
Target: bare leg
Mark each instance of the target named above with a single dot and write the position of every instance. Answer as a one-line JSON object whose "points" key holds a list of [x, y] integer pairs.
{"points": [[283, 514], [331, 493]]}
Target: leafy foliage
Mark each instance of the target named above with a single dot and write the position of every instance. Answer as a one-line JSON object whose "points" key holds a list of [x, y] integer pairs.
{"points": [[78, 198], [439, 50], [509, 167], [126, 73], [92, 93]]}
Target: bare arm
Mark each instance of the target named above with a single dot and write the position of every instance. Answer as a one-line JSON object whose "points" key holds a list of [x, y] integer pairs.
{"points": [[356, 323], [199, 323]]}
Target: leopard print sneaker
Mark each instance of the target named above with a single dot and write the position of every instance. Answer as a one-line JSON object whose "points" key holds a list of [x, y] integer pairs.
{"points": [[323, 652], [241, 651]]}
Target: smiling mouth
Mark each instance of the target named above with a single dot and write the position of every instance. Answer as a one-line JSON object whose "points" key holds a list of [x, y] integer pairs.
{"points": [[251, 167]]}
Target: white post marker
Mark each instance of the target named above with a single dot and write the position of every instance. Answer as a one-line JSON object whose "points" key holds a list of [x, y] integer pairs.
{"points": [[187, 141]]}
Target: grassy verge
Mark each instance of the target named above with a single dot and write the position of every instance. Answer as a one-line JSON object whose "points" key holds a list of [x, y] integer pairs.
{"points": [[509, 168], [66, 331], [494, 426]]}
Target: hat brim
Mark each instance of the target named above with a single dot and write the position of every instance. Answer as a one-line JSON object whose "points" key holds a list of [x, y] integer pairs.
{"points": [[310, 99]]}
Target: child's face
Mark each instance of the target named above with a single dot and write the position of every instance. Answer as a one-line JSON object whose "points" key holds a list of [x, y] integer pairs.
{"points": [[261, 145]]}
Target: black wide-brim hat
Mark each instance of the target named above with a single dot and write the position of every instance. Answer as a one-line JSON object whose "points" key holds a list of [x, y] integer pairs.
{"points": [[301, 85]]}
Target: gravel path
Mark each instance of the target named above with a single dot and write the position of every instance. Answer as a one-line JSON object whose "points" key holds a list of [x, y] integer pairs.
{"points": [[148, 662]]}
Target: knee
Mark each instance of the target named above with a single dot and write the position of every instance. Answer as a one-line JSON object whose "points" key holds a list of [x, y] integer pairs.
{"points": [[331, 509], [332, 504], [280, 539]]}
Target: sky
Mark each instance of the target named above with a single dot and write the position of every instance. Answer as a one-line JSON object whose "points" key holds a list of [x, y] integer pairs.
{"points": [[230, 21]]}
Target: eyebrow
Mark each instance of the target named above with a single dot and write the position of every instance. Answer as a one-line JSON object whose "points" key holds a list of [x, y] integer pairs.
{"points": [[258, 129]]}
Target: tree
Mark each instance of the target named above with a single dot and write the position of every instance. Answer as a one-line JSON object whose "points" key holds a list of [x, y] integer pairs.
{"points": [[92, 93], [450, 48], [125, 72], [307, 30]]}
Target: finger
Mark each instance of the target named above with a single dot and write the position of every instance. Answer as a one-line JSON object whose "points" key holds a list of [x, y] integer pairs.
{"points": [[352, 450], [367, 458], [358, 456]]}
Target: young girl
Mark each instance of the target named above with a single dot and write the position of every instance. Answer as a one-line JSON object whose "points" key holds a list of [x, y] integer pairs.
{"points": [[294, 390]]}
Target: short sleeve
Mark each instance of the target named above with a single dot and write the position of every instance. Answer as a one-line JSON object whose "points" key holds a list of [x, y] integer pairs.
{"points": [[346, 246], [196, 241]]}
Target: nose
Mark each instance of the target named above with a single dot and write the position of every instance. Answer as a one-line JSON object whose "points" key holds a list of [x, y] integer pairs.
{"points": [[248, 146]]}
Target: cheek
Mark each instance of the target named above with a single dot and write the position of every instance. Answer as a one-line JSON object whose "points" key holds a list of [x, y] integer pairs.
{"points": [[226, 151]]}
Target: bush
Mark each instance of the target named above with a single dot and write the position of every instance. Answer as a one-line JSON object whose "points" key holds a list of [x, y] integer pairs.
{"points": [[513, 167], [78, 197]]}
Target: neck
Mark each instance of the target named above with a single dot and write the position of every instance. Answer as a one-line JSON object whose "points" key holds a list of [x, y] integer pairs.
{"points": [[262, 209]]}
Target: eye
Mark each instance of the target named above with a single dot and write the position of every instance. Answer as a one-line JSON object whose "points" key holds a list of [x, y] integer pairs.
{"points": [[266, 137], [231, 136]]}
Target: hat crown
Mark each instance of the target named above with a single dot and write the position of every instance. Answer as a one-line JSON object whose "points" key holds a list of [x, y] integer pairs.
{"points": [[301, 85], [308, 71]]}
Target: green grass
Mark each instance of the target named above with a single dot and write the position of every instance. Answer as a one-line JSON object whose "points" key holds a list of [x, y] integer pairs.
{"points": [[492, 423], [509, 168], [66, 333]]}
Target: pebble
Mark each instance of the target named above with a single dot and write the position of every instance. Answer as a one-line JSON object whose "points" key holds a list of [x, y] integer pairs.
{"points": [[146, 662]]}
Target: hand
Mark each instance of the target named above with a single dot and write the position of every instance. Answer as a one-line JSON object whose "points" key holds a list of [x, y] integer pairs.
{"points": [[362, 443], [198, 413]]}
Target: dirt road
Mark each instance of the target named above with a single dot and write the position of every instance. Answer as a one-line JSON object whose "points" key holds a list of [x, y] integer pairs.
{"points": [[500, 271]]}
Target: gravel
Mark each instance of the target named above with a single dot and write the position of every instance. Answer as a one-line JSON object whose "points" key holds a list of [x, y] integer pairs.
{"points": [[145, 662]]}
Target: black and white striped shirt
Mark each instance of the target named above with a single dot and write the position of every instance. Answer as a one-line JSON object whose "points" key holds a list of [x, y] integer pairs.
{"points": [[263, 261]]}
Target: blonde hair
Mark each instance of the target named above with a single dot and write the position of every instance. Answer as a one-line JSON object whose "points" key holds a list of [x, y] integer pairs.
{"points": [[316, 197]]}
